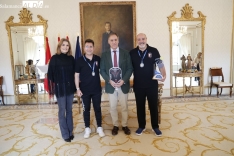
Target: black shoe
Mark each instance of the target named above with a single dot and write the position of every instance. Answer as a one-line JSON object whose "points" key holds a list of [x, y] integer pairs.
{"points": [[67, 140], [72, 137], [115, 130], [126, 130]]}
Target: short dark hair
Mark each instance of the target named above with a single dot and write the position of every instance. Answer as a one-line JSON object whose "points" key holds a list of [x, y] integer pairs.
{"points": [[113, 33], [108, 23], [30, 62], [89, 41]]}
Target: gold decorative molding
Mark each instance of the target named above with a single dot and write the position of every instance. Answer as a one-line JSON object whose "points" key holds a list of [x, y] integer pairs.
{"points": [[25, 17], [187, 11], [181, 74], [186, 15], [10, 19]]}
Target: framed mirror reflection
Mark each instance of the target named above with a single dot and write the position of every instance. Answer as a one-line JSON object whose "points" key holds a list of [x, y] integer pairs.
{"points": [[27, 51], [28, 48], [186, 51]]}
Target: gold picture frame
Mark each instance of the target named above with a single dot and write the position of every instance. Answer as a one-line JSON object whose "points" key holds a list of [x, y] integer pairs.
{"points": [[186, 16], [26, 20], [121, 15]]}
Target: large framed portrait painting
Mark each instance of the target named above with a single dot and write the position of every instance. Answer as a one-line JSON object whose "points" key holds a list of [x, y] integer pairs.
{"points": [[98, 19]]}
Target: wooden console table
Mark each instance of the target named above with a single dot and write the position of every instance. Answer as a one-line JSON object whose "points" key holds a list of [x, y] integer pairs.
{"points": [[28, 81], [189, 88]]}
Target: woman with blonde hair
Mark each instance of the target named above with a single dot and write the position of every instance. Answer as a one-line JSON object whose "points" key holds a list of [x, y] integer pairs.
{"points": [[198, 60], [61, 83]]}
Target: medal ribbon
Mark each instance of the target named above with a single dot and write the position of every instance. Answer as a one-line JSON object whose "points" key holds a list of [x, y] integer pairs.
{"points": [[90, 64], [143, 55]]}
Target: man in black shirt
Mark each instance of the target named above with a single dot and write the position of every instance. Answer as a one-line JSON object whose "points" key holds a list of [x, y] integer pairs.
{"points": [[88, 85], [144, 59]]}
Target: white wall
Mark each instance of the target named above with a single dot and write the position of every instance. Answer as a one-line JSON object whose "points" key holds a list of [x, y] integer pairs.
{"points": [[151, 15]]}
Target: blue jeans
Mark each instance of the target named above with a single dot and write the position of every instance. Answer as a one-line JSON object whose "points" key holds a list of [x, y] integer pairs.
{"points": [[65, 115]]}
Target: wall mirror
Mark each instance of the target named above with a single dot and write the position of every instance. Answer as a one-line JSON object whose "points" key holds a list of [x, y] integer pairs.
{"points": [[26, 42], [186, 50]]}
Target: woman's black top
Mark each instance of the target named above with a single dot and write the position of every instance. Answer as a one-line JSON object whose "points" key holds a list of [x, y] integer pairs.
{"points": [[61, 75]]}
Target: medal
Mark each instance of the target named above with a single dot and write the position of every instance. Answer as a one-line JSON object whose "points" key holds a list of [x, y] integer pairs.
{"points": [[142, 58], [95, 62], [142, 65]]}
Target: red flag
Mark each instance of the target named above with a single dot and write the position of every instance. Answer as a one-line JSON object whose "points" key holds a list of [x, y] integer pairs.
{"points": [[47, 59], [48, 55], [58, 37]]}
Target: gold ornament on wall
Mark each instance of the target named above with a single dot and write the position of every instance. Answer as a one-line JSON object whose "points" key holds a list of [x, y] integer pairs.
{"points": [[26, 22], [187, 11], [25, 16], [185, 21]]}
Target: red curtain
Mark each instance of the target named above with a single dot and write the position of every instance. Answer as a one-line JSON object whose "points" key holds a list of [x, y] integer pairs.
{"points": [[47, 59]]}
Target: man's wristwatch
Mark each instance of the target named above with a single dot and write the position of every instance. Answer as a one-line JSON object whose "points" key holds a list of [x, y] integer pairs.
{"points": [[77, 89]]}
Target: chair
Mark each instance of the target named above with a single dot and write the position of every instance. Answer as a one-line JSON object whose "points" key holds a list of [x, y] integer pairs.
{"points": [[1, 91], [217, 72]]}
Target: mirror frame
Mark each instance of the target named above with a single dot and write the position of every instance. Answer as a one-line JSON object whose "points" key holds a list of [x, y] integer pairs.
{"points": [[25, 17], [186, 15]]}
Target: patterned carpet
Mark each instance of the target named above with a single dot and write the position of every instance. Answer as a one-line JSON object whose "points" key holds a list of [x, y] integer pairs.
{"points": [[192, 126]]}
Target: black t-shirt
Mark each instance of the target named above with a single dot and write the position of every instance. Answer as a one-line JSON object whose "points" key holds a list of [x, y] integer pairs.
{"points": [[143, 76], [89, 84]]}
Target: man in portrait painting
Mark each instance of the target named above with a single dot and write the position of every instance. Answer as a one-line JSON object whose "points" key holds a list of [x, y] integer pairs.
{"points": [[105, 44]]}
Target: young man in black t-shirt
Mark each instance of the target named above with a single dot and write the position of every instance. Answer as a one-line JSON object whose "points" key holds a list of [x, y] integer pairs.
{"points": [[87, 80], [144, 59]]}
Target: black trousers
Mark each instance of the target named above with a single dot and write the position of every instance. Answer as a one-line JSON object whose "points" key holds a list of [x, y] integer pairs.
{"points": [[152, 96], [32, 88], [86, 101]]}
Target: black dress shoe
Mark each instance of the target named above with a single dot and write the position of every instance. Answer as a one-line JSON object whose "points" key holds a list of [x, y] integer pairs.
{"points": [[67, 140], [115, 130], [72, 137], [126, 130]]}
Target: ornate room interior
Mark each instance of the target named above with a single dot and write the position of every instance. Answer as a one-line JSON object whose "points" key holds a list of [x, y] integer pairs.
{"points": [[193, 38]]}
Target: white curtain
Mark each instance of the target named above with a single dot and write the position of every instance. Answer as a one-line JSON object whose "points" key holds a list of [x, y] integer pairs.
{"points": [[34, 51], [185, 45], [40, 55], [30, 48]]}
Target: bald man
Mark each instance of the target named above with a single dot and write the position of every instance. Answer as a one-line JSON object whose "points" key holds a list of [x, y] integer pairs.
{"points": [[144, 58]]}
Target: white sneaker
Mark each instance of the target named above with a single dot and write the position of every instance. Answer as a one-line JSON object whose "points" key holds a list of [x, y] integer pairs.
{"points": [[100, 132], [87, 132]]}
